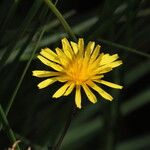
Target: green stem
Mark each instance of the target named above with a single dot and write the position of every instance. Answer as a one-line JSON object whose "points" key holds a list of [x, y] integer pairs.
{"points": [[2, 114], [24, 73], [7, 128], [66, 127], [61, 19], [124, 48]]}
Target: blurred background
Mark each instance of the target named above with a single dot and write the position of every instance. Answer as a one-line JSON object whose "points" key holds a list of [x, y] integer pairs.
{"points": [[120, 26]]}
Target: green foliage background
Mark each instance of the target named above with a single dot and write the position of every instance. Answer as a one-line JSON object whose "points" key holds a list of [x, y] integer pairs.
{"points": [[119, 26]]}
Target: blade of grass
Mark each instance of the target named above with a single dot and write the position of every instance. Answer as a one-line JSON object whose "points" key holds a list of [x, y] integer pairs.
{"points": [[15, 62], [10, 14], [20, 33], [124, 48], [28, 18], [24, 72], [56, 22], [61, 19], [138, 143], [103, 22], [7, 127], [79, 28]]}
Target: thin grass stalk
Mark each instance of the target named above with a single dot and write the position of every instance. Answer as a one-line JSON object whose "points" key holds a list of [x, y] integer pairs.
{"points": [[25, 70], [20, 33], [66, 127], [10, 14], [24, 73], [7, 128], [124, 48], [61, 19]]}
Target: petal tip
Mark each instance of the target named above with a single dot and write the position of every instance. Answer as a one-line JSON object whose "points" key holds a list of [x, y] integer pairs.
{"points": [[54, 96], [33, 73], [38, 56], [38, 87], [121, 87], [111, 98], [95, 102], [79, 107]]}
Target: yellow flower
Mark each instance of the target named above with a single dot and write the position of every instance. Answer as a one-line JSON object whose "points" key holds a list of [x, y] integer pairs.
{"points": [[78, 67]]}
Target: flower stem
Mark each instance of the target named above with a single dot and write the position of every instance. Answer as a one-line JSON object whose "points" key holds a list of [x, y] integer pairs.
{"points": [[72, 35], [61, 19], [67, 125], [7, 128]]}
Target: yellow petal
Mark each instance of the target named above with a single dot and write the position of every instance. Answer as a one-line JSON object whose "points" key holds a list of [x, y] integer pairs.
{"points": [[89, 48], [108, 59], [81, 46], [103, 69], [95, 64], [110, 84], [62, 57], [97, 77], [49, 54], [46, 83], [88, 52], [74, 47], [43, 73], [115, 64], [61, 90], [49, 63], [89, 94], [67, 48], [62, 78], [100, 91], [78, 96], [69, 90], [113, 57], [95, 53]]}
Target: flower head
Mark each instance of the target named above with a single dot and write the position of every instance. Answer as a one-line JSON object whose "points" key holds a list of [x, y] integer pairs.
{"points": [[77, 66]]}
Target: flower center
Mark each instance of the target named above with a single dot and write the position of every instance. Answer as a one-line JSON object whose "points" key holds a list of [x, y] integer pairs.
{"points": [[78, 70]]}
